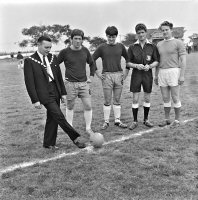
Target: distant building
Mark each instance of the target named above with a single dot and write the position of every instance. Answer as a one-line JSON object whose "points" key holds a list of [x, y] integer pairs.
{"points": [[155, 35]]}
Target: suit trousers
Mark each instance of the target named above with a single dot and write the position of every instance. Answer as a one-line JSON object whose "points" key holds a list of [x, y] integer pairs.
{"points": [[55, 117]]}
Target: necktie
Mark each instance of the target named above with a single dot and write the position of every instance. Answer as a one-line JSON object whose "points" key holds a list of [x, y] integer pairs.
{"points": [[47, 68], [44, 62]]}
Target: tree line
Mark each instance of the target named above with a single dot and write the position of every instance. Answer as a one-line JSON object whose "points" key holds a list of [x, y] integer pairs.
{"points": [[57, 32]]}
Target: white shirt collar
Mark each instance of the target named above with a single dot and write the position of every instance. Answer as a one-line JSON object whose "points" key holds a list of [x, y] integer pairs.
{"points": [[49, 70], [147, 42], [41, 56]]}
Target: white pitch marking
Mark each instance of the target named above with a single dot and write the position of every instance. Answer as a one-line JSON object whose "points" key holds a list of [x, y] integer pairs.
{"points": [[190, 120], [88, 149], [37, 161]]}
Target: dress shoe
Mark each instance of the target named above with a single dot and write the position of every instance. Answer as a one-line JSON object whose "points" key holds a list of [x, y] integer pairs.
{"points": [[79, 143], [54, 147]]}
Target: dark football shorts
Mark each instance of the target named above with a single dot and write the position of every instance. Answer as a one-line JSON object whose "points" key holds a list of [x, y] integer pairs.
{"points": [[141, 78]]}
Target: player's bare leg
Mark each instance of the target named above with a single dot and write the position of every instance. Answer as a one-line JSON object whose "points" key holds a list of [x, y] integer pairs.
{"points": [[175, 91], [70, 111], [117, 107], [87, 114], [107, 106]]}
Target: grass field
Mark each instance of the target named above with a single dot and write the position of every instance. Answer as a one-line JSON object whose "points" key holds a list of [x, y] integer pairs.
{"points": [[158, 165]]}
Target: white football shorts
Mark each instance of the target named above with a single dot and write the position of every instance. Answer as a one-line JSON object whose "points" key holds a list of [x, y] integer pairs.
{"points": [[168, 77]]}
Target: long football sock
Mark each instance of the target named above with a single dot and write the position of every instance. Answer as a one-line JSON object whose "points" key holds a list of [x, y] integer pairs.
{"points": [[106, 110], [88, 118], [146, 110], [135, 111], [117, 112]]}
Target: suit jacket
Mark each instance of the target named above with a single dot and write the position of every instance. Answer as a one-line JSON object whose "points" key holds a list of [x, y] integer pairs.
{"points": [[37, 79]]}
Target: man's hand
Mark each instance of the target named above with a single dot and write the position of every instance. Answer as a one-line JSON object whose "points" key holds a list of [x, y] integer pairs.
{"points": [[37, 105], [100, 76], [140, 66], [181, 80], [146, 67], [63, 99], [125, 74], [90, 79], [156, 80]]}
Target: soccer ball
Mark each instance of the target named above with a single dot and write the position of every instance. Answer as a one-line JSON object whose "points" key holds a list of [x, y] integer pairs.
{"points": [[97, 140]]}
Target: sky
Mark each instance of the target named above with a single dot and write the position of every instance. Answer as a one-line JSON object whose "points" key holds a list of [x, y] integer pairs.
{"points": [[92, 16]]}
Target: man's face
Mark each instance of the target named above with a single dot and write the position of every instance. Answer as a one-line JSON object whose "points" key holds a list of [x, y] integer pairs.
{"points": [[141, 35], [77, 41], [111, 39], [167, 32], [44, 47]]}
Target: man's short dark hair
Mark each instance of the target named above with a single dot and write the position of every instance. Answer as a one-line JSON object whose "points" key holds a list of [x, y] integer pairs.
{"points": [[44, 38], [111, 30], [140, 26], [166, 23], [77, 32]]}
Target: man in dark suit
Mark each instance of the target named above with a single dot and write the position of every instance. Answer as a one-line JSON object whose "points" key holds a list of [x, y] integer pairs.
{"points": [[44, 84]]}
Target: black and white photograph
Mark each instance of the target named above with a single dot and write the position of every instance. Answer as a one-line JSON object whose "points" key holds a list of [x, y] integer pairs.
{"points": [[98, 100]]}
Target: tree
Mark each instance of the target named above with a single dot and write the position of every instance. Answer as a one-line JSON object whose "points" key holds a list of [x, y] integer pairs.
{"points": [[95, 42], [87, 38], [67, 42], [194, 39], [194, 36], [178, 32], [23, 43], [55, 32], [130, 38]]}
